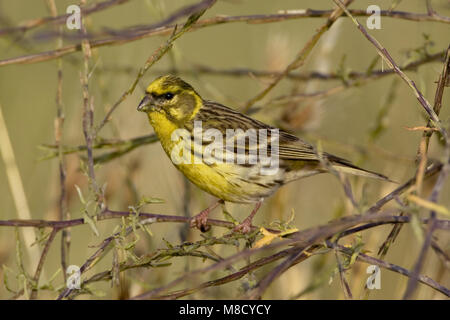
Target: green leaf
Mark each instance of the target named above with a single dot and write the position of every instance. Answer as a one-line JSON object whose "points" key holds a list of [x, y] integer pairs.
{"points": [[168, 244], [416, 225], [229, 217], [91, 222], [80, 195], [149, 200], [5, 278]]}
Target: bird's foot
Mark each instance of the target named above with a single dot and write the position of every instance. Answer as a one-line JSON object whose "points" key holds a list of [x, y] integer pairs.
{"points": [[200, 220], [244, 227]]}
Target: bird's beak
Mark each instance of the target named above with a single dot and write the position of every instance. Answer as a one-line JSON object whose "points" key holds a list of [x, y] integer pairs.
{"points": [[146, 103]]}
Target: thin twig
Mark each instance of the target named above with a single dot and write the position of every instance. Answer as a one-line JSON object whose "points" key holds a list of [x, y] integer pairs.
{"points": [[118, 40], [412, 283], [283, 15], [301, 239], [40, 265], [63, 213], [31, 24], [431, 170], [426, 135], [434, 121], [111, 214], [389, 266], [300, 58], [126, 146], [241, 272], [304, 76], [88, 117], [100, 251], [16, 186], [344, 283], [195, 12], [391, 63]]}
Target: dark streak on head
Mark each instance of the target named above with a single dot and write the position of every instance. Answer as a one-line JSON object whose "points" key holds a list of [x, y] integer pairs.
{"points": [[171, 81]]}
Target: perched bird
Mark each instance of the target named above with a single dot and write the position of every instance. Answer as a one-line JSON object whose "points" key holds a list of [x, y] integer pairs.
{"points": [[179, 116]]}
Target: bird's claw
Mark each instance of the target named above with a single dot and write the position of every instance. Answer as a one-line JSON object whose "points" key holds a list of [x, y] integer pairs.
{"points": [[245, 227], [200, 221]]}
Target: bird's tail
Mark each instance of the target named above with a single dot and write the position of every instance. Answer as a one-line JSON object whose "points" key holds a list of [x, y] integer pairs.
{"points": [[344, 166], [361, 172]]}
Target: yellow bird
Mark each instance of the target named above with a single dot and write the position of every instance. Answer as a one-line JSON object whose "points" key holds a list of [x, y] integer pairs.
{"points": [[228, 154]]}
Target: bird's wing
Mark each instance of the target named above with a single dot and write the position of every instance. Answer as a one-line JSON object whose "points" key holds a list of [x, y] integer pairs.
{"points": [[295, 149], [217, 116], [291, 148], [214, 115]]}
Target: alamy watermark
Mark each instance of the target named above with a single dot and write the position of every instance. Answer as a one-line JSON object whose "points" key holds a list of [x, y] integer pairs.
{"points": [[252, 147], [374, 280], [374, 21], [73, 21], [74, 277]]}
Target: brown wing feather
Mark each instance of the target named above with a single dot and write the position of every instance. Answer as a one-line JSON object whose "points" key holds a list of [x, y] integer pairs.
{"points": [[218, 116]]}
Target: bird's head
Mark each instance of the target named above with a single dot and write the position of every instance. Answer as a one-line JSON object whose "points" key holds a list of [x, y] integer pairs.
{"points": [[172, 97]]}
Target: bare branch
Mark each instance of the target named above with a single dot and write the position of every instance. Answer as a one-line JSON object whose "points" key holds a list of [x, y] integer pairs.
{"points": [[31, 24], [164, 30], [63, 213], [40, 265], [301, 56], [195, 11], [391, 63], [389, 266], [412, 283]]}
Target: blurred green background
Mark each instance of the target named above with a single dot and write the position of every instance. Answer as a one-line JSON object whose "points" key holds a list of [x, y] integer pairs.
{"points": [[342, 122]]}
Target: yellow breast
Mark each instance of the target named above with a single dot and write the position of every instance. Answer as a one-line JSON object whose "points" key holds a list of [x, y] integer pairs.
{"points": [[224, 181]]}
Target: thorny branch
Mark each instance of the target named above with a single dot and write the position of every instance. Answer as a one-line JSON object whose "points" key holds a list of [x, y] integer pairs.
{"points": [[164, 30], [301, 56], [356, 79], [85, 11], [63, 213], [443, 79], [301, 240], [281, 16], [392, 64], [195, 11], [304, 238], [434, 121], [304, 243]]}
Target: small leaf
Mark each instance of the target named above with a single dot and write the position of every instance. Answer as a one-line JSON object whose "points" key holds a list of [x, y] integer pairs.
{"points": [[54, 275], [91, 222], [269, 236], [5, 278], [147, 229], [159, 265], [80, 195], [229, 217], [150, 200], [428, 204], [417, 227], [168, 244]]}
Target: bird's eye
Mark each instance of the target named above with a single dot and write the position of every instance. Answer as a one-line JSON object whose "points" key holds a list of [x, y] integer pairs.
{"points": [[168, 96]]}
